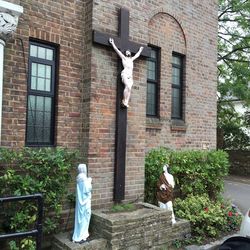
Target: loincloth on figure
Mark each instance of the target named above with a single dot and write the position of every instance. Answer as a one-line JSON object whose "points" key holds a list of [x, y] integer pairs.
{"points": [[127, 79]]}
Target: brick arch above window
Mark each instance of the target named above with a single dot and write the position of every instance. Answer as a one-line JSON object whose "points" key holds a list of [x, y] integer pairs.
{"points": [[166, 30], [168, 11]]}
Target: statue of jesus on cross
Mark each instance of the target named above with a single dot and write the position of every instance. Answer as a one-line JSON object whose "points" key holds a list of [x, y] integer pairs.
{"points": [[127, 72]]}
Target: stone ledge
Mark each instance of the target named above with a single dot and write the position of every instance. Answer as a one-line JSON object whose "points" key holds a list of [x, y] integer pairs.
{"points": [[149, 227], [62, 241]]}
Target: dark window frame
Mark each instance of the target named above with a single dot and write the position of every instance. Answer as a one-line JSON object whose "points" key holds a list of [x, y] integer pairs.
{"points": [[156, 82], [180, 86], [52, 93]]}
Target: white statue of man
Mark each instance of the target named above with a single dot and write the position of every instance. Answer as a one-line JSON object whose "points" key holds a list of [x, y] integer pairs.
{"points": [[127, 72], [165, 186], [83, 205]]}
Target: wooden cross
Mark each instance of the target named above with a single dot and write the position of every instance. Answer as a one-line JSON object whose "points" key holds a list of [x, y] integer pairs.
{"points": [[123, 43]]}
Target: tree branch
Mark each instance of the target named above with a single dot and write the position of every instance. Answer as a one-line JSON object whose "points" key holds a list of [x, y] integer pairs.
{"points": [[231, 20], [223, 38], [224, 12], [230, 34], [233, 51], [236, 60]]}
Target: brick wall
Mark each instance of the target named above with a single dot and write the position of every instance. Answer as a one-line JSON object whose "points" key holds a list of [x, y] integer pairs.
{"points": [[62, 24], [187, 27], [86, 93], [191, 32]]}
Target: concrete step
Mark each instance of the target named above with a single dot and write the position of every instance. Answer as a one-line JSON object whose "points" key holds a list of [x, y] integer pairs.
{"points": [[62, 241]]}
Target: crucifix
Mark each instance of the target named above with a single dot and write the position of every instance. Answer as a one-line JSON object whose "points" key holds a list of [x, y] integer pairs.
{"points": [[122, 42]]}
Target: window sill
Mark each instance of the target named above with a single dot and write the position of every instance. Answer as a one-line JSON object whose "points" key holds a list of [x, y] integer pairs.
{"points": [[178, 126], [153, 123]]}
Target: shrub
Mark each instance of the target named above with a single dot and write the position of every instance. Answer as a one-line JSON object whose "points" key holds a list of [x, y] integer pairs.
{"points": [[195, 172], [199, 178], [199, 172], [29, 171], [154, 162], [207, 219]]}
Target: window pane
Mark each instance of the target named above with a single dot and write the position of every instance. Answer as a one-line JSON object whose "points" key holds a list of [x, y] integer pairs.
{"points": [[151, 75], [176, 103], [41, 70], [31, 118], [47, 119], [49, 54], [34, 69], [32, 102], [151, 65], [46, 135], [48, 71], [40, 83], [47, 106], [152, 84], [177, 86], [151, 99], [38, 136], [151, 70], [41, 52], [47, 85], [153, 53], [39, 103], [33, 50], [40, 125], [33, 82], [176, 76], [176, 60], [39, 118], [176, 71]]}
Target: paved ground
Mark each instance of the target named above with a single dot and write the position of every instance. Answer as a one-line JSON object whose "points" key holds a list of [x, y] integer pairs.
{"points": [[238, 190]]}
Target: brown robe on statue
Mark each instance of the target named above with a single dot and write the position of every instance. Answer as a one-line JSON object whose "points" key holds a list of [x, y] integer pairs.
{"points": [[164, 195]]}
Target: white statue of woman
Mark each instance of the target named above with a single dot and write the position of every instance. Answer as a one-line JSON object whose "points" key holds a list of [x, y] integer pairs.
{"points": [[83, 205], [165, 186], [127, 72]]}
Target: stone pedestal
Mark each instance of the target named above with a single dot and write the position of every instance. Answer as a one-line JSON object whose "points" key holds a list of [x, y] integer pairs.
{"points": [[148, 227]]}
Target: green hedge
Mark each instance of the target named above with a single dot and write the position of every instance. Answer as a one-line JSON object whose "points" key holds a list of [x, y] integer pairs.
{"points": [[154, 162], [195, 172], [208, 219], [30, 171], [199, 181], [200, 172]]}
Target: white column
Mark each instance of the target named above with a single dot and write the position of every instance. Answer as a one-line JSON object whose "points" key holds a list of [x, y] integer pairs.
{"points": [[2, 44], [9, 14]]}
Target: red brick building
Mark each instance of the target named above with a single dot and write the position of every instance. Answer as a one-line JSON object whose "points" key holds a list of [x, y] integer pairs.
{"points": [[59, 88]]}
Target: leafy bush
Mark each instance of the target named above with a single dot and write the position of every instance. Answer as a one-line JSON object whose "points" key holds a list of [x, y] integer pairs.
{"points": [[29, 171], [154, 162], [195, 172], [199, 178], [234, 127], [199, 172], [208, 219]]}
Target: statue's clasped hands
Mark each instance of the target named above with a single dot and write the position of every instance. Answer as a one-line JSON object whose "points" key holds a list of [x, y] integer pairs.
{"points": [[111, 40]]}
